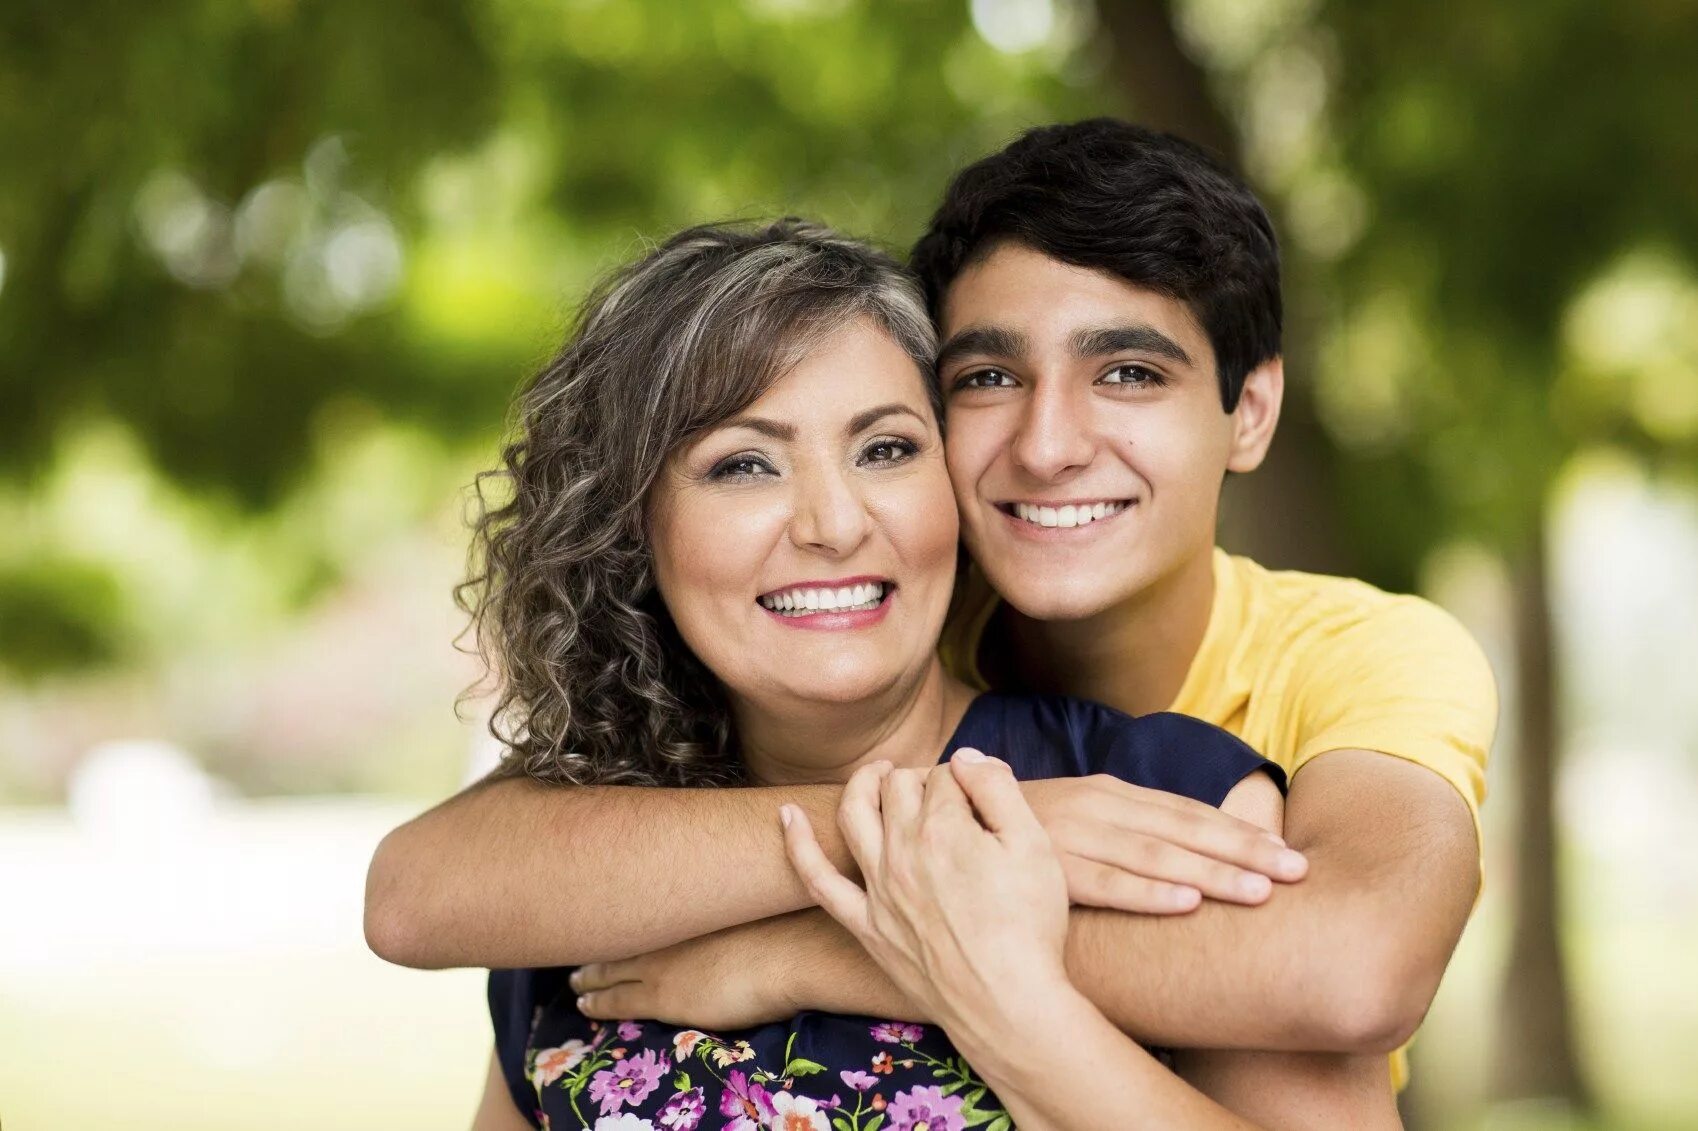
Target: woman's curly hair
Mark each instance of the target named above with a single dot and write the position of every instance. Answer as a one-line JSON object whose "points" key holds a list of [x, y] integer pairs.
{"points": [[594, 683]]}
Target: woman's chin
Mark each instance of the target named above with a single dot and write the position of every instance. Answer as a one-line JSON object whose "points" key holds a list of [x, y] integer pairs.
{"points": [[841, 686]]}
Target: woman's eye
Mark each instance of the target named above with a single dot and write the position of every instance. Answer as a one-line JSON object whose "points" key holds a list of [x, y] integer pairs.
{"points": [[984, 379], [888, 451], [1133, 375], [740, 467]]}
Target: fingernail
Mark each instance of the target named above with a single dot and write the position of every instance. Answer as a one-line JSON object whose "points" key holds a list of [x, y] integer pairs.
{"points": [[1186, 897], [583, 1003], [968, 754], [784, 815], [1276, 838], [1292, 862], [575, 979], [1253, 885]]}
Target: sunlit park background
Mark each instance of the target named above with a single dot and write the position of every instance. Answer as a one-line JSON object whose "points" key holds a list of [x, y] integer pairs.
{"points": [[269, 270]]}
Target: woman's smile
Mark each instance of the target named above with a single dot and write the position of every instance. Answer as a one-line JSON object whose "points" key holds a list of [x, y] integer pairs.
{"points": [[844, 603]]}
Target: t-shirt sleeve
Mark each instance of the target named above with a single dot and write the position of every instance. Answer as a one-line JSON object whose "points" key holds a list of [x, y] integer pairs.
{"points": [[1409, 681], [514, 998], [1180, 754]]}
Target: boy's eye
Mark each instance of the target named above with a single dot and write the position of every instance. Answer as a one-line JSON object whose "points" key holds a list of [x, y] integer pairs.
{"points": [[1132, 375], [984, 379]]}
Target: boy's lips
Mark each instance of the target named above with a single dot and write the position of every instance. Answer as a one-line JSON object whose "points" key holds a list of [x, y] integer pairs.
{"points": [[1062, 517]]}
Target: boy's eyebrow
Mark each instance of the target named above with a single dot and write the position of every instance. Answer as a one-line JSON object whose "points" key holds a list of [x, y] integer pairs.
{"points": [[1119, 339], [988, 341]]}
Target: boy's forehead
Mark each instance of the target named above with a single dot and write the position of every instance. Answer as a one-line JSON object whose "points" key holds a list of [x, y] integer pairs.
{"points": [[1037, 299]]}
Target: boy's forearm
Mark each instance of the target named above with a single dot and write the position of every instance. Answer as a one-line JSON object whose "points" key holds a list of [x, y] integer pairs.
{"points": [[514, 873], [1346, 961]]}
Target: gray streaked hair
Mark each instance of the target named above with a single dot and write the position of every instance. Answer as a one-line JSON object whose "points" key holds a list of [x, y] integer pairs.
{"points": [[595, 686]]}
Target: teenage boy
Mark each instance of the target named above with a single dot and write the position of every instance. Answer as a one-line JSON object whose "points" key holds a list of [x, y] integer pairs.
{"points": [[1109, 302]]}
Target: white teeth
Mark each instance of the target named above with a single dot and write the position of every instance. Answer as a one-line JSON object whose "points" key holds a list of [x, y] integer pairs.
{"points": [[1066, 517], [850, 598]]}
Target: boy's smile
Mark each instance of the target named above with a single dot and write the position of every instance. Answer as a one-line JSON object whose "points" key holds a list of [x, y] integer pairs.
{"points": [[1087, 441]]}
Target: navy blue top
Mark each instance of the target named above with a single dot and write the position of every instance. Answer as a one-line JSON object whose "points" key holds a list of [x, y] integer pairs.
{"points": [[821, 1068]]}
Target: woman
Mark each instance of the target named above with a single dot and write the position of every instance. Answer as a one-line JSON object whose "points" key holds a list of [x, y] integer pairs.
{"points": [[727, 559]]}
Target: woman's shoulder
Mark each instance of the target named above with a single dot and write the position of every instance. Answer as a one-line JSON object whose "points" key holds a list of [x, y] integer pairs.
{"points": [[1044, 735]]}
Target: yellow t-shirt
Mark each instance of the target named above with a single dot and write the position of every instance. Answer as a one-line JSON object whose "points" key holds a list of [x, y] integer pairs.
{"points": [[1297, 664]]}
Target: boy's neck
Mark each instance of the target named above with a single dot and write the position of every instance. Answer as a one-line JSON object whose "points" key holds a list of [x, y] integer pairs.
{"points": [[1133, 657]]}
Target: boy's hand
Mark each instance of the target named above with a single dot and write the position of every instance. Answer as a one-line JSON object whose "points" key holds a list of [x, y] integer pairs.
{"points": [[1129, 848], [731, 979]]}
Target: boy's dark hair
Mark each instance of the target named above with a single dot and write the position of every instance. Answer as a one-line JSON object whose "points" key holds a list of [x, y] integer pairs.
{"points": [[1147, 206]]}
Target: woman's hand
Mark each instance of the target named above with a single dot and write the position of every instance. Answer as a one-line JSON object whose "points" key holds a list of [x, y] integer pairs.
{"points": [[965, 905]]}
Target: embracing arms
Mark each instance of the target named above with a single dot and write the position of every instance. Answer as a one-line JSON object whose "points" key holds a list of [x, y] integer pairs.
{"points": [[1346, 961], [517, 874]]}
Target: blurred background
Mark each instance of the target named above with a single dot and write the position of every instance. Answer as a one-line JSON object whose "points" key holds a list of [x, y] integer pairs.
{"points": [[270, 270]]}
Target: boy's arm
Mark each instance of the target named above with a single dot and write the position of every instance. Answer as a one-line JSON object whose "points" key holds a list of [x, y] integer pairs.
{"points": [[1346, 961], [501, 874], [511, 873]]}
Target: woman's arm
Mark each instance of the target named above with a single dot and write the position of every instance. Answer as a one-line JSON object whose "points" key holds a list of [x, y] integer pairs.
{"points": [[495, 1110], [970, 920]]}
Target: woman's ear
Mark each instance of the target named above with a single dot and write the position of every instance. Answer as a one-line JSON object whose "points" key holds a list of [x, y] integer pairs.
{"points": [[1257, 415]]}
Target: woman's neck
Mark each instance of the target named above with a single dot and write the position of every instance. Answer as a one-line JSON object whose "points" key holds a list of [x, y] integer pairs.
{"points": [[826, 742]]}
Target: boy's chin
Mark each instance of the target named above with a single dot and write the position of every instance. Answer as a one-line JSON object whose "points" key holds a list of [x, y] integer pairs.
{"points": [[1048, 600]]}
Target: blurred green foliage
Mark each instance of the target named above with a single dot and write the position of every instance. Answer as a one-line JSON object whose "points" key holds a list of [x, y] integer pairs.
{"points": [[229, 225]]}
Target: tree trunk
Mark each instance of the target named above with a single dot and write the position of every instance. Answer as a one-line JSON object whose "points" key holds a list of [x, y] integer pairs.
{"points": [[1285, 515], [1536, 1053]]}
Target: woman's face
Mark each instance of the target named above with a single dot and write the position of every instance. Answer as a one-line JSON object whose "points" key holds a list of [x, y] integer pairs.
{"points": [[806, 548]]}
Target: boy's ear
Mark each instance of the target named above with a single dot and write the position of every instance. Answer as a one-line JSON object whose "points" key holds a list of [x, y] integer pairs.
{"points": [[1257, 415]]}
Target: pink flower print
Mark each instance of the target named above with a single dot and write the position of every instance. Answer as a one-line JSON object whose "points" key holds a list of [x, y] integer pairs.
{"points": [[683, 1044], [926, 1109], [896, 1032], [551, 1064], [791, 1112], [629, 1030], [684, 1111], [749, 1102], [629, 1081], [860, 1081]]}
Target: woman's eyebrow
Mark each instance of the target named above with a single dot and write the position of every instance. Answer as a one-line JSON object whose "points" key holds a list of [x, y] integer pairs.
{"points": [[865, 420], [1119, 339], [773, 428]]}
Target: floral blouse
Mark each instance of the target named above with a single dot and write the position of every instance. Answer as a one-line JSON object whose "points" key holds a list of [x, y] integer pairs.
{"points": [[824, 1071]]}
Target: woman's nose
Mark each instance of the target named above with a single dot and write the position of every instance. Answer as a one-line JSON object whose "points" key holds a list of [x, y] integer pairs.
{"points": [[830, 515], [1055, 435]]}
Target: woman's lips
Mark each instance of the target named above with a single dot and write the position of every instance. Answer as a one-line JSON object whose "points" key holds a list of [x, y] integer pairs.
{"points": [[851, 603]]}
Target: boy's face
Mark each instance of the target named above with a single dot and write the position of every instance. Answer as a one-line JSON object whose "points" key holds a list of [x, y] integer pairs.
{"points": [[1086, 439]]}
